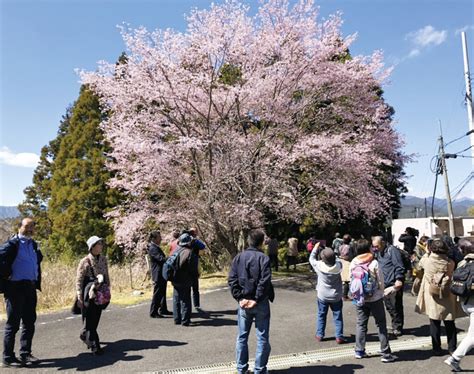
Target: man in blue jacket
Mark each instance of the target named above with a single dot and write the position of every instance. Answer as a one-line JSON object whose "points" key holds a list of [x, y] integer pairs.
{"points": [[250, 281], [391, 263], [20, 274]]}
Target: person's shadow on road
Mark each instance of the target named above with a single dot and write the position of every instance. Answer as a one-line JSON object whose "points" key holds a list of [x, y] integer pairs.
{"points": [[214, 318], [320, 369], [113, 352]]}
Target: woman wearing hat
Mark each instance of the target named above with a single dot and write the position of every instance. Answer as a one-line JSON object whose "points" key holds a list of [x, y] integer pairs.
{"points": [[92, 271]]}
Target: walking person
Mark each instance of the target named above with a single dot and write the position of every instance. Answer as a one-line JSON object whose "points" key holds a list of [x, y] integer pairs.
{"points": [[185, 275], [329, 292], [292, 253], [390, 262], [92, 272], [250, 281], [438, 306], [272, 246], [372, 303], [158, 307], [20, 275], [467, 304]]}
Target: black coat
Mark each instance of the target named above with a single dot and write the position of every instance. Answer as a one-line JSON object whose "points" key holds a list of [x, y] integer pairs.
{"points": [[157, 259], [8, 252]]}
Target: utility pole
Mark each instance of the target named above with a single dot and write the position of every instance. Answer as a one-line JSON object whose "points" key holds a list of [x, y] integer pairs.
{"points": [[467, 79], [442, 157]]}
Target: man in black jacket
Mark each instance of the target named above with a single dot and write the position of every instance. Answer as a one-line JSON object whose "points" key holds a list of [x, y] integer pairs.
{"points": [[250, 281], [158, 307], [391, 263], [20, 270]]}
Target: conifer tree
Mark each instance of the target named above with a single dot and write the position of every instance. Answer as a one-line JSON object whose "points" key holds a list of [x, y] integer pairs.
{"points": [[79, 193]]}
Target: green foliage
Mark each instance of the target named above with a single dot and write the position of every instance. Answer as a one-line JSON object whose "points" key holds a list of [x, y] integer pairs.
{"points": [[470, 211], [69, 195], [230, 74]]}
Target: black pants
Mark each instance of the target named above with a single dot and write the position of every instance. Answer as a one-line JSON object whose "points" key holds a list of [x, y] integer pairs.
{"points": [[290, 260], [196, 298], [274, 261], [435, 332], [182, 305], [158, 300], [90, 319], [395, 309], [20, 302]]}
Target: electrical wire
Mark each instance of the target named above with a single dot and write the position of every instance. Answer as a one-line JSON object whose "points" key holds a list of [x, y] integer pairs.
{"points": [[464, 150]]}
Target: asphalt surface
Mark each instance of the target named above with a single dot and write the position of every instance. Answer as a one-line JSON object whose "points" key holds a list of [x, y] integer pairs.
{"points": [[133, 342]]}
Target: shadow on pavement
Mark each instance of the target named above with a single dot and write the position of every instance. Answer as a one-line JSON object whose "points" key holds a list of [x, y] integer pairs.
{"points": [[214, 318], [320, 369], [113, 352]]}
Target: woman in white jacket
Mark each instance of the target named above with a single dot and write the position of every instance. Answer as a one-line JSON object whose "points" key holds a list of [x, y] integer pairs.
{"points": [[468, 306]]}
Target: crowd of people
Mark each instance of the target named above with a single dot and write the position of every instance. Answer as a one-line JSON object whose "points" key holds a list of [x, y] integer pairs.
{"points": [[371, 274]]}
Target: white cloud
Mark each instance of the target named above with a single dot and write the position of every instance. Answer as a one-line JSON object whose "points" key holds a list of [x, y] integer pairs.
{"points": [[25, 160], [427, 36], [465, 28]]}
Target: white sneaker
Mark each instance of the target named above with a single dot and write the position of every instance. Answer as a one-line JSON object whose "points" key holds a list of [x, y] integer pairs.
{"points": [[453, 363]]}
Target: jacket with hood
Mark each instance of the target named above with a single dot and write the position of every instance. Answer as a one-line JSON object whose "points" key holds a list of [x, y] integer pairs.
{"points": [[329, 285], [375, 271]]}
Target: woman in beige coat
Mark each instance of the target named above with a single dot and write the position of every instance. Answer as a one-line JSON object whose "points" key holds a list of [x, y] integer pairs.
{"points": [[442, 307]]}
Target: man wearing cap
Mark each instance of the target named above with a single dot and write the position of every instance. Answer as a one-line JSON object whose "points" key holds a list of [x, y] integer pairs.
{"points": [[250, 281], [186, 273], [158, 307], [20, 271], [92, 268]]}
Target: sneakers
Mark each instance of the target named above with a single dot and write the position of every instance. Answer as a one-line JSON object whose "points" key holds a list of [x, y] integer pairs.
{"points": [[11, 363], [341, 340], [28, 359], [360, 354], [453, 363], [388, 357]]}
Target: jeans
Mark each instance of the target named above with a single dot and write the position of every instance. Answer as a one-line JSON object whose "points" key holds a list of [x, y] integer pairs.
{"points": [[377, 309], [182, 305], [323, 308], [435, 331], [261, 314], [394, 307], [20, 302], [468, 342]]}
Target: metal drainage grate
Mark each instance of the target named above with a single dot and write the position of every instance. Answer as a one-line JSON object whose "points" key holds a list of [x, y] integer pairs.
{"points": [[306, 358]]}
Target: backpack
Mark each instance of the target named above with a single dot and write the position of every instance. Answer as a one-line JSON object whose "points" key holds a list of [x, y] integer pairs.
{"points": [[463, 279], [363, 283], [405, 257], [439, 284], [171, 265], [345, 251]]}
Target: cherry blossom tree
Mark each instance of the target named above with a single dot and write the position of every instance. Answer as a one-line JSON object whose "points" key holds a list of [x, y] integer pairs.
{"points": [[242, 116]]}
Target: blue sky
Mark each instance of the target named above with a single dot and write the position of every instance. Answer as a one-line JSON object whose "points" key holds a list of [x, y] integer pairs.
{"points": [[43, 41]]}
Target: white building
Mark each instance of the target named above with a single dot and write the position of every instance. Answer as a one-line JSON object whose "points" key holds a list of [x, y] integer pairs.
{"points": [[432, 227]]}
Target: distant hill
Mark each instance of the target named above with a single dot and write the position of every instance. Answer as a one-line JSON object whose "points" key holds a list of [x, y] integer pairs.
{"points": [[9, 212], [413, 206]]}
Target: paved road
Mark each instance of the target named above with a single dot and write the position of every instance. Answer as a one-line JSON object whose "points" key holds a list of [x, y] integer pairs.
{"points": [[136, 343]]}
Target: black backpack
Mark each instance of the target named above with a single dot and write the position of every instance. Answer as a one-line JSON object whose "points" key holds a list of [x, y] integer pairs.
{"points": [[463, 278], [171, 266]]}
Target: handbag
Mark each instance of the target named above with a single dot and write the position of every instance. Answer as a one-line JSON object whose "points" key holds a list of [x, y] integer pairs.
{"points": [[102, 292], [76, 309]]}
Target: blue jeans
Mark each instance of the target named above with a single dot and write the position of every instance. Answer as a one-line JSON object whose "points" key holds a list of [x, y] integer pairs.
{"points": [[336, 308], [261, 314]]}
